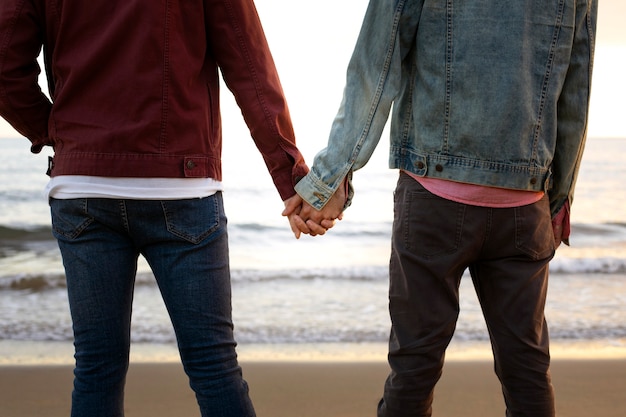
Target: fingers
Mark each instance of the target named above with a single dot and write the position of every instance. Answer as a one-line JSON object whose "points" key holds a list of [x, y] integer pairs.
{"points": [[301, 225], [292, 205], [328, 223], [315, 229], [294, 227], [309, 227], [304, 219]]}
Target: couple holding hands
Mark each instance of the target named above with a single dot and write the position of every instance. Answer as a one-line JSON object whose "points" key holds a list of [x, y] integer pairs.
{"points": [[488, 105]]}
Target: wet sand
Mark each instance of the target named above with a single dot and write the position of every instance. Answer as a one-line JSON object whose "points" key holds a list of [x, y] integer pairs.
{"points": [[583, 387]]}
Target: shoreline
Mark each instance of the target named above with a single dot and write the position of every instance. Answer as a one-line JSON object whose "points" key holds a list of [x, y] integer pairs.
{"points": [[38, 353]]}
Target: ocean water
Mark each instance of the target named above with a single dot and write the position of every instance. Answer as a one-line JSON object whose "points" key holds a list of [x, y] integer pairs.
{"points": [[326, 291]]}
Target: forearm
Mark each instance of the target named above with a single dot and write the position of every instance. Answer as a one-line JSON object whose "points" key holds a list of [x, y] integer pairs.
{"points": [[238, 43], [372, 83], [573, 110]]}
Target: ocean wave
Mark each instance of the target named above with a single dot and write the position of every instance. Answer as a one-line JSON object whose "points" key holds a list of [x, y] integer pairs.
{"points": [[33, 283], [273, 335], [52, 281], [365, 273], [254, 227], [25, 234], [46, 282], [312, 308], [585, 234], [604, 265], [599, 228]]}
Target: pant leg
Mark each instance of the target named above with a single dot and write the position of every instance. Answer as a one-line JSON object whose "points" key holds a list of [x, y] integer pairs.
{"points": [[100, 266], [432, 243], [511, 282], [189, 257]]}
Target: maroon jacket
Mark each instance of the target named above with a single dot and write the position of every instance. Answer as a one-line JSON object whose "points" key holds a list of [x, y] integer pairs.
{"points": [[135, 85]]}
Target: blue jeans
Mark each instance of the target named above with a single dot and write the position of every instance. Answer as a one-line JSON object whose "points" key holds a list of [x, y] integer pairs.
{"points": [[186, 245], [507, 251]]}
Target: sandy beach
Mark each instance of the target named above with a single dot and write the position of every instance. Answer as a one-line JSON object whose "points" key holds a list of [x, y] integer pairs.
{"points": [[315, 389]]}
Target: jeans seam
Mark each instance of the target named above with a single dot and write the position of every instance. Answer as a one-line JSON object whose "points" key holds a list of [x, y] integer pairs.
{"points": [[124, 215]]}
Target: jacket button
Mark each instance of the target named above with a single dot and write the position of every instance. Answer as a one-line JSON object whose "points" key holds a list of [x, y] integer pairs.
{"points": [[533, 181], [439, 168], [319, 196], [420, 165], [191, 165]]}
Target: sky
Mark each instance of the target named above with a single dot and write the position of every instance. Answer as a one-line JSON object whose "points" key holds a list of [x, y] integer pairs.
{"points": [[608, 92], [291, 26]]}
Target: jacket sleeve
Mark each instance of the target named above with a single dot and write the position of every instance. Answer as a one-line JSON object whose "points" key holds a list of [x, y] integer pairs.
{"points": [[22, 103], [573, 108], [372, 84], [238, 42]]}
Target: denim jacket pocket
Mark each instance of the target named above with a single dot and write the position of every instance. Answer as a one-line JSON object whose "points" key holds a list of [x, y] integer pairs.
{"points": [[195, 219], [69, 217]]}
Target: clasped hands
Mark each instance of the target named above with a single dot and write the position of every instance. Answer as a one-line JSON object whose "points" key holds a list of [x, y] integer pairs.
{"points": [[304, 218]]}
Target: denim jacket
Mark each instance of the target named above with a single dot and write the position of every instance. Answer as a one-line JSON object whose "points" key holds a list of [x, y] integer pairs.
{"points": [[493, 93]]}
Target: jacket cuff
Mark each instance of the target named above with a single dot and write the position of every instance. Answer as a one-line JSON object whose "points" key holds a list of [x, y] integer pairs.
{"points": [[315, 192], [37, 145]]}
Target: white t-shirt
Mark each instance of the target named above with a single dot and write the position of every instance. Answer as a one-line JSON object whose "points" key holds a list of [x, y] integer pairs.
{"points": [[80, 186]]}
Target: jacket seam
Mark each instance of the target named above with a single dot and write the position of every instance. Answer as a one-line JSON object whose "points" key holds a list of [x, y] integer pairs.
{"points": [[391, 43], [245, 50], [546, 80], [166, 64], [448, 69]]}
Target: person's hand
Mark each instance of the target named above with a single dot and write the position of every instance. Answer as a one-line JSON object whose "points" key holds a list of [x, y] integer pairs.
{"points": [[303, 218], [561, 226], [317, 222], [293, 206]]}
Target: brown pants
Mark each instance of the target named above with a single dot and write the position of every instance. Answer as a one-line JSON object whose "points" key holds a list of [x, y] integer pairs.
{"points": [[507, 252]]}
